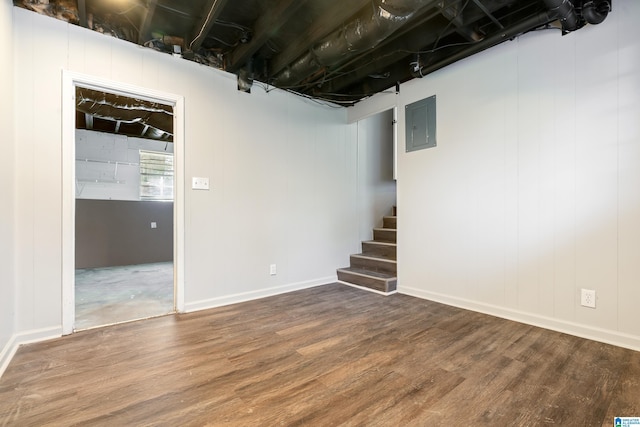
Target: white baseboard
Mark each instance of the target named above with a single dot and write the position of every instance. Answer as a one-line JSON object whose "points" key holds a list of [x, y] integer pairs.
{"points": [[606, 336], [26, 337], [262, 293]]}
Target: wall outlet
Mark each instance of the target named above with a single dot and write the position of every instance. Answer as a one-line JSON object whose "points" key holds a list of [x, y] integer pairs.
{"points": [[588, 298], [272, 270], [199, 183], [154, 224]]}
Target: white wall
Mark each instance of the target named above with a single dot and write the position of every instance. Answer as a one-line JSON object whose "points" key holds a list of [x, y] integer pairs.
{"points": [[376, 186], [7, 182], [533, 190], [281, 169], [108, 165]]}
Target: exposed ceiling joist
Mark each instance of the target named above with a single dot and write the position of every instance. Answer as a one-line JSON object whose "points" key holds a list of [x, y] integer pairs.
{"points": [[333, 17], [82, 13], [265, 28], [147, 18], [338, 50], [488, 13], [212, 11]]}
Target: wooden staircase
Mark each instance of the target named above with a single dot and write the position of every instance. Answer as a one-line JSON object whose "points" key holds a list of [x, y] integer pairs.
{"points": [[376, 267]]}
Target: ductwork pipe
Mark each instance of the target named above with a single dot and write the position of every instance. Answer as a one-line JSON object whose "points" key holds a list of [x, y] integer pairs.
{"points": [[558, 10], [366, 31], [595, 12], [564, 11], [493, 40]]}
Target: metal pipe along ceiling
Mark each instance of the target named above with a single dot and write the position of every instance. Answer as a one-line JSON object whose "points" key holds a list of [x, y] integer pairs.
{"points": [[371, 26], [595, 12], [558, 9], [565, 12]]}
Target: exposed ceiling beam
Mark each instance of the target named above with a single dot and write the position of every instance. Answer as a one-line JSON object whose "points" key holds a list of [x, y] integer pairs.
{"points": [[265, 28], [334, 17], [147, 17], [212, 11], [454, 12], [82, 13], [488, 13]]}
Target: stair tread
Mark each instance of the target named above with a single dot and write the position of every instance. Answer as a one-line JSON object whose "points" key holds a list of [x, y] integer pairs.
{"points": [[380, 242], [375, 257], [365, 272]]}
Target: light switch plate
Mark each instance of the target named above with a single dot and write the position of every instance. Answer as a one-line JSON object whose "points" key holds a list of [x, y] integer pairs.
{"points": [[199, 183]]}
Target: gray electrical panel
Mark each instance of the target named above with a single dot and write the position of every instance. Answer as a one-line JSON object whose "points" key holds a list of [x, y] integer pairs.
{"points": [[420, 118]]}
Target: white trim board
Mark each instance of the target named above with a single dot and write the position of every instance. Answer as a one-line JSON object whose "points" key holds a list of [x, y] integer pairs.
{"points": [[69, 81], [26, 337], [254, 295], [618, 339]]}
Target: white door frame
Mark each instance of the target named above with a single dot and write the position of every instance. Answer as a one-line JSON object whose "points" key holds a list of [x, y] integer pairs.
{"points": [[69, 82]]}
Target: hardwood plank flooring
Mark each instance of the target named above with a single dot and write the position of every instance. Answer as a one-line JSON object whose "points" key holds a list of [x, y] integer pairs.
{"points": [[330, 355]]}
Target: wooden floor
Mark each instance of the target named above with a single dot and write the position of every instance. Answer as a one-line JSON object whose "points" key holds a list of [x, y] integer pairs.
{"points": [[331, 355]]}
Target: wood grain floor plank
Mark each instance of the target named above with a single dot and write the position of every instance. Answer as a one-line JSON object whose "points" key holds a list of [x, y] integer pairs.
{"points": [[329, 355]]}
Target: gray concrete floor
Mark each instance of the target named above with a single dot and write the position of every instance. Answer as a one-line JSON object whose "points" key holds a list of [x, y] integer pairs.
{"points": [[118, 294]]}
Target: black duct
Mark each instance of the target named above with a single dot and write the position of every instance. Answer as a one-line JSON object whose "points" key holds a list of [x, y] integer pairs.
{"points": [[564, 11], [368, 28], [594, 12]]}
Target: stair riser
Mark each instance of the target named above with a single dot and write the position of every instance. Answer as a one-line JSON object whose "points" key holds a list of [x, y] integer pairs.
{"points": [[381, 285], [384, 235], [373, 264], [390, 222], [379, 250]]}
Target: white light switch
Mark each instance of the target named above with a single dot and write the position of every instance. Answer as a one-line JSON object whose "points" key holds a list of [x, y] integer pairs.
{"points": [[154, 225], [199, 183]]}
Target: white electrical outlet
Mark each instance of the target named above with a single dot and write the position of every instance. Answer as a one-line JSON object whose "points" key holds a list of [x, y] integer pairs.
{"points": [[154, 224], [588, 298], [272, 269], [199, 183]]}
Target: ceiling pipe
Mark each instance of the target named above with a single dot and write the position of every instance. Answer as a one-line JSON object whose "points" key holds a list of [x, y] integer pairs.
{"points": [[370, 27], [558, 9], [508, 33], [565, 12], [595, 12]]}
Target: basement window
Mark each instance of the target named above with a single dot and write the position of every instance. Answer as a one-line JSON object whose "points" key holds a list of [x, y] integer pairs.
{"points": [[156, 175]]}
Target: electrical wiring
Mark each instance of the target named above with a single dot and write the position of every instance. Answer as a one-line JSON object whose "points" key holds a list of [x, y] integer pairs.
{"points": [[318, 100], [206, 22], [435, 44], [232, 25]]}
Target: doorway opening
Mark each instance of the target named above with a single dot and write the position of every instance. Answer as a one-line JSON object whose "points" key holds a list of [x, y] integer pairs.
{"points": [[122, 203]]}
